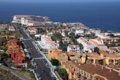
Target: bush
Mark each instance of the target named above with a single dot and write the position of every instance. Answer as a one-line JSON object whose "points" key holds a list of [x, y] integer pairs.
{"points": [[63, 74], [54, 62], [29, 66]]}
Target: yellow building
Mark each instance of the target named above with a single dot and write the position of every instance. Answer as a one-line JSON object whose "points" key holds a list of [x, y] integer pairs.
{"points": [[91, 57], [56, 53], [89, 71]]}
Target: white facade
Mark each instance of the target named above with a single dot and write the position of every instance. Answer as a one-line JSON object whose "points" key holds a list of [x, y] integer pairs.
{"points": [[66, 39], [98, 44], [37, 35], [24, 19], [34, 24], [100, 35], [32, 30], [95, 30], [63, 34], [73, 48], [79, 32], [3, 26], [11, 28], [87, 46], [46, 40]]}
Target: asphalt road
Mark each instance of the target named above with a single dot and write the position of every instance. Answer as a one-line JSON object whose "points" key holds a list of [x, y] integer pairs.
{"points": [[40, 67]]}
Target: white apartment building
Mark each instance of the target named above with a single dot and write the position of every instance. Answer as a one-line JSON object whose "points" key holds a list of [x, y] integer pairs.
{"points": [[73, 24], [57, 24], [79, 32], [98, 44], [48, 43], [73, 48], [11, 28], [24, 19], [65, 39], [3, 26], [87, 46], [63, 33], [32, 23], [100, 35], [95, 30], [32, 30]]}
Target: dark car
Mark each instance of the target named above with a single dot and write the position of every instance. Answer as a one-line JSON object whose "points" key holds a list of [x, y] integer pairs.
{"points": [[42, 71]]}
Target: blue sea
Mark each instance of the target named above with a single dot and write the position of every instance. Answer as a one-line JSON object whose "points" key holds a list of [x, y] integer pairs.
{"points": [[102, 15]]}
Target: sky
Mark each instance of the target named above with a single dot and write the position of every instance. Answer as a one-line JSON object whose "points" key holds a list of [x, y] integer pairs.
{"points": [[55, 0]]}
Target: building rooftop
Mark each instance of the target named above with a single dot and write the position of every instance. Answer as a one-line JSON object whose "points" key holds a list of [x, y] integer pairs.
{"points": [[102, 72]]}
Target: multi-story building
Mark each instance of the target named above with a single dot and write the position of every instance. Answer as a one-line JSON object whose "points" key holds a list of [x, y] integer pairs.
{"points": [[100, 35], [32, 30], [11, 28], [110, 58], [55, 53], [33, 23], [73, 48], [79, 32], [87, 46], [16, 52], [65, 39], [91, 57], [89, 71], [24, 19], [98, 44], [47, 41], [3, 26], [114, 49], [112, 41], [95, 31]]}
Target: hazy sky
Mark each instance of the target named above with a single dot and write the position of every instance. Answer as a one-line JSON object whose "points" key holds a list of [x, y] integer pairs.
{"points": [[53, 0]]}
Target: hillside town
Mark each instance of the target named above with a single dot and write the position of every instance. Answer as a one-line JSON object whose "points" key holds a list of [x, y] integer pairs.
{"points": [[59, 51]]}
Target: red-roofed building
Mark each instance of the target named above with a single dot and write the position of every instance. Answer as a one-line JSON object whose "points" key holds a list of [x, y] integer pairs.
{"points": [[73, 48], [16, 52], [11, 28], [3, 26], [87, 46], [65, 39]]}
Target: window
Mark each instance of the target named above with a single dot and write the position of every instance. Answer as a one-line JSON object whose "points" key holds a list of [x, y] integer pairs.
{"points": [[79, 71], [84, 73], [87, 74], [91, 76]]}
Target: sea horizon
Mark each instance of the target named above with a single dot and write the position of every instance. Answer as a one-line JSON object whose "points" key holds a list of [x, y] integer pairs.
{"points": [[101, 15]]}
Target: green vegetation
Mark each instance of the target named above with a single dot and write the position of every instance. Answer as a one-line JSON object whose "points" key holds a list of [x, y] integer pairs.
{"points": [[27, 74], [96, 49], [3, 42], [9, 60], [72, 35], [57, 36], [29, 66], [63, 74], [40, 30], [63, 46], [17, 35], [54, 62], [7, 75]]}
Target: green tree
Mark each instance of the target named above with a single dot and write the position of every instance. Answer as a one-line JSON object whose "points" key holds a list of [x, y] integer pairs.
{"points": [[9, 60], [81, 46], [96, 49], [63, 74], [54, 62], [57, 36], [29, 66], [17, 35], [5, 49]]}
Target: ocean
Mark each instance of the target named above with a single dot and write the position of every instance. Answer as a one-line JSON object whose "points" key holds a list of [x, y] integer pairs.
{"points": [[101, 15]]}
